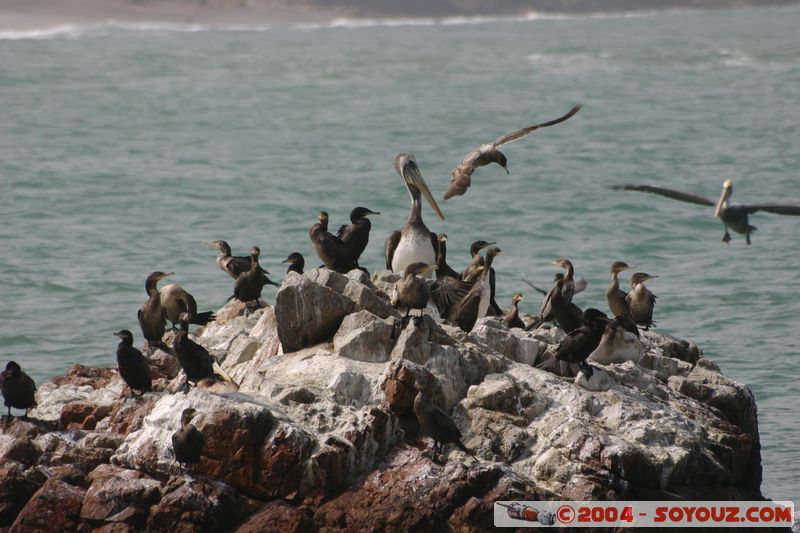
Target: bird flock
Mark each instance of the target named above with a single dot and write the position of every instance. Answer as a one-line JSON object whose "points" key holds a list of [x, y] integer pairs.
{"points": [[414, 252]]}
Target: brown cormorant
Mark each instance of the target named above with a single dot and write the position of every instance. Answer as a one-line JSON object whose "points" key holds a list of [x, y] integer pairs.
{"points": [[334, 253], [187, 442], [19, 390], [414, 242], [356, 234], [433, 421], [614, 295], [477, 260], [411, 291], [641, 301], [296, 262], [617, 345], [443, 270], [733, 216], [132, 365], [473, 306], [176, 300], [489, 153], [582, 341], [152, 315], [234, 266], [557, 304], [512, 318]]}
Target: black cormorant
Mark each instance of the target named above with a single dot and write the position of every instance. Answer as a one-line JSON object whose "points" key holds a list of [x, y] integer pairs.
{"points": [[581, 342], [414, 242], [247, 287], [132, 365], [187, 442], [443, 270], [356, 234], [434, 422], [296, 262], [19, 390], [488, 153]]}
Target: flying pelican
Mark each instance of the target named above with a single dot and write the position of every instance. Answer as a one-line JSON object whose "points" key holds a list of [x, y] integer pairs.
{"points": [[733, 216], [414, 242], [488, 153]]}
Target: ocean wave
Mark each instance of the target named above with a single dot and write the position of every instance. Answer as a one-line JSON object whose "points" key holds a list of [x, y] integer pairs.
{"points": [[73, 31], [39, 34]]}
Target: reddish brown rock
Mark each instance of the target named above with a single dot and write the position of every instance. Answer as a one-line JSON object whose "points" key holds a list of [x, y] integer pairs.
{"points": [[196, 504], [283, 460], [75, 413], [56, 506], [128, 414], [114, 490], [17, 485], [280, 517], [81, 376]]}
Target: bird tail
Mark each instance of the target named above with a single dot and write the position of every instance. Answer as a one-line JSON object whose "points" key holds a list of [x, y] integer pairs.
{"points": [[223, 376], [201, 319]]}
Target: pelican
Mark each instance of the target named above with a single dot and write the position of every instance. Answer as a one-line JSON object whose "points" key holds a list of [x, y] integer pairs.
{"points": [[488, 153], [414, 242], [733, 216]]}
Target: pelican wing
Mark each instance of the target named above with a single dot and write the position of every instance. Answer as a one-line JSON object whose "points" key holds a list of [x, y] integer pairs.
{"points": [[778, 209], [514, 135], [669, 193], [390, 246]]}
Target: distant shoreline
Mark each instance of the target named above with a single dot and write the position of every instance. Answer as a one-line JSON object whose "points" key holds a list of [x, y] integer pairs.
{"points": [[22, 15]]}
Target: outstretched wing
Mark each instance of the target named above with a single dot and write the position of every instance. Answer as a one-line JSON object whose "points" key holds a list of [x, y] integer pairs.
{"points": [[778, 209], [580, 285], [514, 135], [538, 289], [669, 193], [447, 292], [460, 179]]}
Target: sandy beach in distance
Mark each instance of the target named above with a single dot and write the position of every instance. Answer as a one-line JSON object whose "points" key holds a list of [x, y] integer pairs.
{"points": [[24, 15]]}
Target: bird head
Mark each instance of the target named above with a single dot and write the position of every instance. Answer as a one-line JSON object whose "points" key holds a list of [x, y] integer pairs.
{"points": [[294, 258], [187, 415], [125, 335], [406, 165], [727, 190], [640, 277], [361, 212], [477, 246]]}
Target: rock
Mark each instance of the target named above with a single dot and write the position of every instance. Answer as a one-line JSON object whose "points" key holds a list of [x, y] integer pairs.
{"points": [[365, 337], [308, 312], [413, 342], [197, 504], [114, 490], [280, 517], [74, 413], [56, 506], [598, 382], [17, 486], [163, 365]]}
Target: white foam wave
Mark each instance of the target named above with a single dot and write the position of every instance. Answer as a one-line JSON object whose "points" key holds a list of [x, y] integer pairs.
{"points": [[38, 34], [72, 31]]}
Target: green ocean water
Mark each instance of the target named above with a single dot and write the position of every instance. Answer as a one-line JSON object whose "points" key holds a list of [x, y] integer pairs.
{"points": [[124, 147]]}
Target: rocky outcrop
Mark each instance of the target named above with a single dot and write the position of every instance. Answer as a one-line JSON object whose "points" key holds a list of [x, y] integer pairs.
{"points": [[321, 432]]}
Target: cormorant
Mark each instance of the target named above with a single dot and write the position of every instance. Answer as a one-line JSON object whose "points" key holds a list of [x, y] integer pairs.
{"points": [[356, 234], [296, 262], [557, 304], [581, 342], [617, 345], [434, 422], [19, 390], [641, 301], [412, 291], [474, 305], [187, 442], [469, 273], [512, 318], [152, 315], [234, 266], [176, 300], [132, 365], [195, 360], [733, 216], [330, 248], [489, 153], [443, 270], [247, 287], [414, 242], [614, 295]]}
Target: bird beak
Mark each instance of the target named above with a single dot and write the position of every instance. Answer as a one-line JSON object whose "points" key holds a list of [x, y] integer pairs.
{"points": [[507, 171], [287, 260], [413, 178], [726, 192], [209, 244], [430, 268], [555, 263], [165, 275], [374, 213], [500, 253], [651, 277], [487, 244], [116, 334]]}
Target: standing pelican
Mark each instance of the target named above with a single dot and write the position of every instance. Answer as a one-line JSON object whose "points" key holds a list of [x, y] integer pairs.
{"points": [[733, 216], [414, 242], [641, 301], [356, 234], [488, 153]]}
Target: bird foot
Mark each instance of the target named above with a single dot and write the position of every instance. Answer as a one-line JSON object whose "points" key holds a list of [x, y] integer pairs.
{"points": [[726, 238]]}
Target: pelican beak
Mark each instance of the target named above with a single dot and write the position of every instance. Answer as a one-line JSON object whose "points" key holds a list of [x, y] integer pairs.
{"points": [[726, 193], [413, 178]]}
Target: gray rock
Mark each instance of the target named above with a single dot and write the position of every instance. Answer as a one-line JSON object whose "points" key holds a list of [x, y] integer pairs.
{"points": [[413, 343], [307, 312], [365, 337]]}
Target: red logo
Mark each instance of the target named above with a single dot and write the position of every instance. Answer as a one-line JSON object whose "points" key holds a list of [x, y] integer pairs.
{"points": [[565, 514]]}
